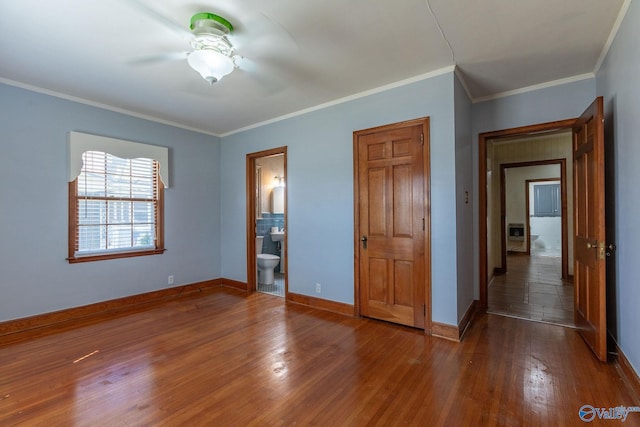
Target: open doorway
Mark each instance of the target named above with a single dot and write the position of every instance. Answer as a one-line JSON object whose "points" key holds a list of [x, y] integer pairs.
{"points": [[266, 222], [532, 280], [588, 231], [524, 220], [528, 249]]}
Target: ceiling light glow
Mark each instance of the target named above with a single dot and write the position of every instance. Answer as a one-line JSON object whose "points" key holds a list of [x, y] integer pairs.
{"points": [[211, 64]]}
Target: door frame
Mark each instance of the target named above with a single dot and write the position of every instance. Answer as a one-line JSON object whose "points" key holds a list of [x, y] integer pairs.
{"points": [[530, 130], [251, 223], [424, 122], [564, 228]]}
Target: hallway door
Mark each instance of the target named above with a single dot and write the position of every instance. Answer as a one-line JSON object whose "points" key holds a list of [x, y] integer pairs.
{"points": [[590, 250], [392, 222]]}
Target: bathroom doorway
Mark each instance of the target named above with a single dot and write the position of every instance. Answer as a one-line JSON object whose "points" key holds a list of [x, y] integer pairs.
{"points": [[266, 222]]}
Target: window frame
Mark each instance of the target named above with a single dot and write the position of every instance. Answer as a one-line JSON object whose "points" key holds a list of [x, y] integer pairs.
{"points": [[125, 253]]}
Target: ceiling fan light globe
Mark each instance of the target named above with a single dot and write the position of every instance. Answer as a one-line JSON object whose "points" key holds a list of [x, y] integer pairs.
{"points": [[210, 64]]}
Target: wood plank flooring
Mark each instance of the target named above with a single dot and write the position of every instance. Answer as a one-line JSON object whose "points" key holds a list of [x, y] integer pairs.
{"points": [[227, 358], [533, 289]]}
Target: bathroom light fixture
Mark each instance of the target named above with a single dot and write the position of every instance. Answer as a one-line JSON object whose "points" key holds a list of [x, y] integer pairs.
{"points": [[279, 178], [212, 56]]}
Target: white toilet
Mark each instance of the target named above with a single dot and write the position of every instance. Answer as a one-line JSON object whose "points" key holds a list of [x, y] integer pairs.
{"points": [[266, 264]]}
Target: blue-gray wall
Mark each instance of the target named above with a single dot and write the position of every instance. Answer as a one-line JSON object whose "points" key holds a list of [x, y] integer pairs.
{"points": [[618, 82], [320, 190], [464, 197], [34, 276]]}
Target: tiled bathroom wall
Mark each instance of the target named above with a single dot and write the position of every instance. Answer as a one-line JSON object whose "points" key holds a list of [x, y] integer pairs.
{"points": [[265, 223]]}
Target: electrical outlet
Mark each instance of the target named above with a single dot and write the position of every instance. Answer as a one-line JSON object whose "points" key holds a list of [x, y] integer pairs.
{"points": [[318, 288], [170, 280]]}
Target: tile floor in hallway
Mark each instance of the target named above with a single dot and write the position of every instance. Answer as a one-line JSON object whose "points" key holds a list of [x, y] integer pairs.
{"points": [[533, 289]]}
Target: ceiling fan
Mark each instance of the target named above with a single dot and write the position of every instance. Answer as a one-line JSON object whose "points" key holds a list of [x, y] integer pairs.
{"points": [[214, 41], [213, 54]]}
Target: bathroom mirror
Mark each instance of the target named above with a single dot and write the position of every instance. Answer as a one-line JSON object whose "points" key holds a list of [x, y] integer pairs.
{"points": [[269, 176], [277, 200]]}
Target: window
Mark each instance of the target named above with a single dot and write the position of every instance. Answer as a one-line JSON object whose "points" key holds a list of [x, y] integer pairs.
{"points": [[546, 200], [115, 208]]}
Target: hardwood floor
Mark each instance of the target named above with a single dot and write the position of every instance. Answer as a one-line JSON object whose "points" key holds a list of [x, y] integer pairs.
{"points": [[533, 289], [227, 358]]}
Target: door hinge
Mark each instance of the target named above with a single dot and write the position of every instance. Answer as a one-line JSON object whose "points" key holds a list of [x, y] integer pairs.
{"points": [[424, 309], [422, 224], [422, 138], [609, 249]]}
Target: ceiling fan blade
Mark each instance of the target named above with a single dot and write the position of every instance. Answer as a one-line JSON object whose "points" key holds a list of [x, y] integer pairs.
{"points": [[180, 30], [162, 57], [265, 76], [262, 36]]}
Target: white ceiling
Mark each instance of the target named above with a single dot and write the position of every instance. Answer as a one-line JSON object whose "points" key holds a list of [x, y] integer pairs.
{"points": [[299, 54]]}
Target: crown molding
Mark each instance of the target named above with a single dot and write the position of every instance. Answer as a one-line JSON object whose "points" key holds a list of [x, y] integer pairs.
{"points": [[532, 88], [108, 107], [612, 35], [338, 101]]}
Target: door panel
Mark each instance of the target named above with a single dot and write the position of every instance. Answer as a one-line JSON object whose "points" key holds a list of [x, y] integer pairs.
{"points": [[589, 245], [402, 203], [377, 192], [391, 216]]}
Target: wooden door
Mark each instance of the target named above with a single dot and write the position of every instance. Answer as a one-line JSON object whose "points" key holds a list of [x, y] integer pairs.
{"points": [[392, 222], [589, 245]]}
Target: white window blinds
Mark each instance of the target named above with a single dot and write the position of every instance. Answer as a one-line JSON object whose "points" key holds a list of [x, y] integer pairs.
{"points": [[117, 204]]}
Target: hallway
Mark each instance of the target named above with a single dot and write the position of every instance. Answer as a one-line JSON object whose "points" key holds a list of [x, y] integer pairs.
{"points": [[533, 289]]}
